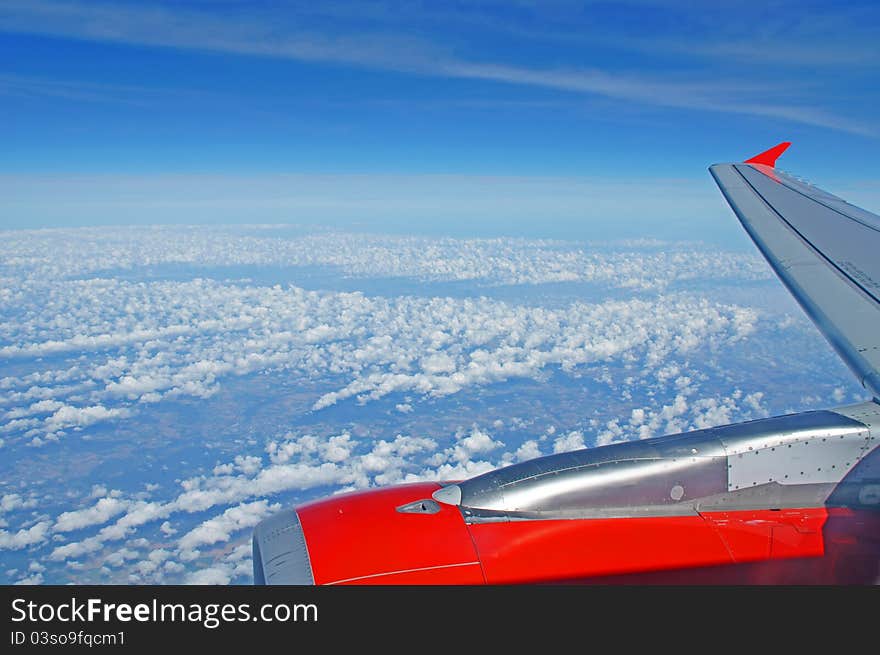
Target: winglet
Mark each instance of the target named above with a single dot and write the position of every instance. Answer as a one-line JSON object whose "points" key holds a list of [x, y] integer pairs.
{"points": [[769, 157]]}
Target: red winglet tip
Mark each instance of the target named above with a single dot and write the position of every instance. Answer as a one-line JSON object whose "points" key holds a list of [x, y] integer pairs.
{"points": [[769, 157]]}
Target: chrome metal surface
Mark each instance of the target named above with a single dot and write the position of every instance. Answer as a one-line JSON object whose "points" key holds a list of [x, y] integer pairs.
{"points": [[633, 473], [477, 515], [636, 482], [795, 460]]}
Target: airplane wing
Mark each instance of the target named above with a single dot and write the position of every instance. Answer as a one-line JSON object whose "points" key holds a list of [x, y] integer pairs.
{"points": [[825, 250]]}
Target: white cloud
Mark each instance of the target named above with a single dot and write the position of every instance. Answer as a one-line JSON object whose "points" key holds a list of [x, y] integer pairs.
{"points": [[33, 579], [528, 450], [11, 502], [153, 563], [440, 363], [120, 556], [216, 575], [201, 332], [476, 442], [573, 440], [221, 527], [36, 534], [100, 512]]}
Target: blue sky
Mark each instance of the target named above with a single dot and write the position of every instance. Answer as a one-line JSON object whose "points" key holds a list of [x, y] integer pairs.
{"points": [[510, 117]]}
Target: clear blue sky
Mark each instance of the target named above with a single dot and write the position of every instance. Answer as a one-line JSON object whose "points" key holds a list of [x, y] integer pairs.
{"points": [[341, 112]]}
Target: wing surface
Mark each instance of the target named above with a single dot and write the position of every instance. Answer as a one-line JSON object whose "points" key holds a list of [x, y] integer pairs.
{"points": [[825, 250]]}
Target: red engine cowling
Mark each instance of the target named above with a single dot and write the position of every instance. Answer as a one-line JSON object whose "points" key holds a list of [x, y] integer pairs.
{"points": [[400, 535]]}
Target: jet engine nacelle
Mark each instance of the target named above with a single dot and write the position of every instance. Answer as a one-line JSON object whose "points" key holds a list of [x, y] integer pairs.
{"points": [[749, 502]]}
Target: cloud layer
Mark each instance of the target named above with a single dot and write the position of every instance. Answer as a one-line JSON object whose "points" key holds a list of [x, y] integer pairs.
{"points": [[107, 335]]}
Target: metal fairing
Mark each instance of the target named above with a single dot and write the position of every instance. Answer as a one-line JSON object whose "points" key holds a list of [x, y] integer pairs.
{"points": [[860, 487], [788, 461], [723, 490], [279, 551]]}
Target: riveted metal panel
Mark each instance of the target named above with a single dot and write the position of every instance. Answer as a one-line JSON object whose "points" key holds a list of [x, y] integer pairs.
{"points": [[810, 460], [807, 448], [780, 430], [866, 413]]}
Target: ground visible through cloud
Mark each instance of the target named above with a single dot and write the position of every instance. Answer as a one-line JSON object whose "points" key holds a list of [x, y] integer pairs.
{"points": [[162, 389]]}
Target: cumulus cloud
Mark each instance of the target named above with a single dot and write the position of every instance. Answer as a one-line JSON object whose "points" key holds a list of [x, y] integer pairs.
{"points": [[100, 512], [528, 450], [221, 527], [32, 579], [168, 339], [642, 265], [11, 502], [215, 575], [491, 341], [94, 342], [573, 440], [152, 563], [496, 342], [36, 534]]}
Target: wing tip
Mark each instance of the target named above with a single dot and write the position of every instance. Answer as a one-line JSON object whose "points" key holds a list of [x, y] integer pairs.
{"points": [[769, 157]]}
